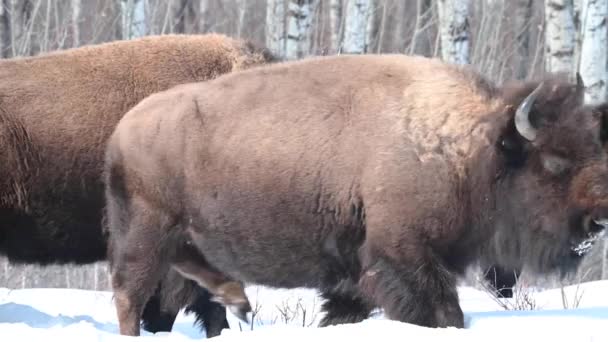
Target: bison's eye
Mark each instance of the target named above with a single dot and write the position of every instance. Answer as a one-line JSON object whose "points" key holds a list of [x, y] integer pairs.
{"points": [[554, 164]]}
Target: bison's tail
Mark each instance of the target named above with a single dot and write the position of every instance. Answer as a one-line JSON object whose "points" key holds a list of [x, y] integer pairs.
{"points": [[115, 213]]}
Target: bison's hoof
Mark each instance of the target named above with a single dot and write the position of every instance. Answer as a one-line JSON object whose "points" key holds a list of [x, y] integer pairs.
{"points": [[241, 311]]}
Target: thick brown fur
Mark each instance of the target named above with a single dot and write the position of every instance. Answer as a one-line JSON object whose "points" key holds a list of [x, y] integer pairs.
{"points": [[377, 179], [56, 112]]}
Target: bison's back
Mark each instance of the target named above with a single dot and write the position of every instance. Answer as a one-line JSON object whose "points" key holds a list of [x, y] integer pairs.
{"points": [[62, 106]]}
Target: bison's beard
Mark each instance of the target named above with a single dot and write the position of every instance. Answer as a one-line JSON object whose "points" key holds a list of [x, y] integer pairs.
{"points": [[538, 251]]}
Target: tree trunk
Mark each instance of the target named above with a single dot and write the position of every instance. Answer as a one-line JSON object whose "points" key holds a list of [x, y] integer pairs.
{"points": [[20, 16], [454, 30], [593, 50], [240, 20], [75, 23], [5, 29], [276, 12], [355, 26], [133, 15], [420, 39], [179, 15], [523, 16], [184, 16], [335, 24], [370, 25], [559, 36], [299, 20], [203, 16]]}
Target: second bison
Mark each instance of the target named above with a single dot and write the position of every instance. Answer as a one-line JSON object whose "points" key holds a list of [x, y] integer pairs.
{"points": [[56, 112], [375, 179]]}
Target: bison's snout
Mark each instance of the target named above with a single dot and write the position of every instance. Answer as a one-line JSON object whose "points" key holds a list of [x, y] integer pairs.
{"points": [[594, 228]]}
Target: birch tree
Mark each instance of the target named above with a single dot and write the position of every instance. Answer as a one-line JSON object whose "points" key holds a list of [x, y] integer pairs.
{"points": [[560, 34], [179, 12], [593, 50], [184, 16], [423, 13], [355, 26], [203, 15], [454, 30], [5, 28], [299, 20], [275, 26], [133, 15], [21, 26], [335, 24], [75, 23], [522, 19], [241, 7], [371, 23]]}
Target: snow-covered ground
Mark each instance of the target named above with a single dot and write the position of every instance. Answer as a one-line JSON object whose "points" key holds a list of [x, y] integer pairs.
{"points": [[292, 315]]}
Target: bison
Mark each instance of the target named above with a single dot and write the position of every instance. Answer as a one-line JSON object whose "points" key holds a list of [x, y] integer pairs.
{"points": [[376, 179], [56, 112]]}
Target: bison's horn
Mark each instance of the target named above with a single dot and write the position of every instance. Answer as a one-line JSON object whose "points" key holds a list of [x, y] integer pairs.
{"points": [[522, 116]]}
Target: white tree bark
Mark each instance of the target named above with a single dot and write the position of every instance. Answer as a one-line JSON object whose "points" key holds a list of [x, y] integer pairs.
{"points": [[422, 7], [335, 24], [560, 35], [371, 21], [454, 30], [133, 15], [523, 16], [299, 20], [593, 50], [5, 28], [203, 15], [242, 11], [276, 12], [355, 26], [139, 19], [75, 23]]}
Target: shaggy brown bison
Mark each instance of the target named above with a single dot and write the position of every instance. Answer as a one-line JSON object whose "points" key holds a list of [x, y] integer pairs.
{"points": [[376, 179], [56, 112]]}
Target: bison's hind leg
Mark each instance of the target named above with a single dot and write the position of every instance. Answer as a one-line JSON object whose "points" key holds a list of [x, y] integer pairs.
{"points": [[231, 293], [138, 260]]}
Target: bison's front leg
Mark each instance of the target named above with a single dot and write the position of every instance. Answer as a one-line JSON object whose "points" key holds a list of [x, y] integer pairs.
{"points": [[411, 285]]}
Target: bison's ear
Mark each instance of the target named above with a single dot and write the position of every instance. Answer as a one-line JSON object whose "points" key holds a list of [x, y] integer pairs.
{"points": [[511, 146]]}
